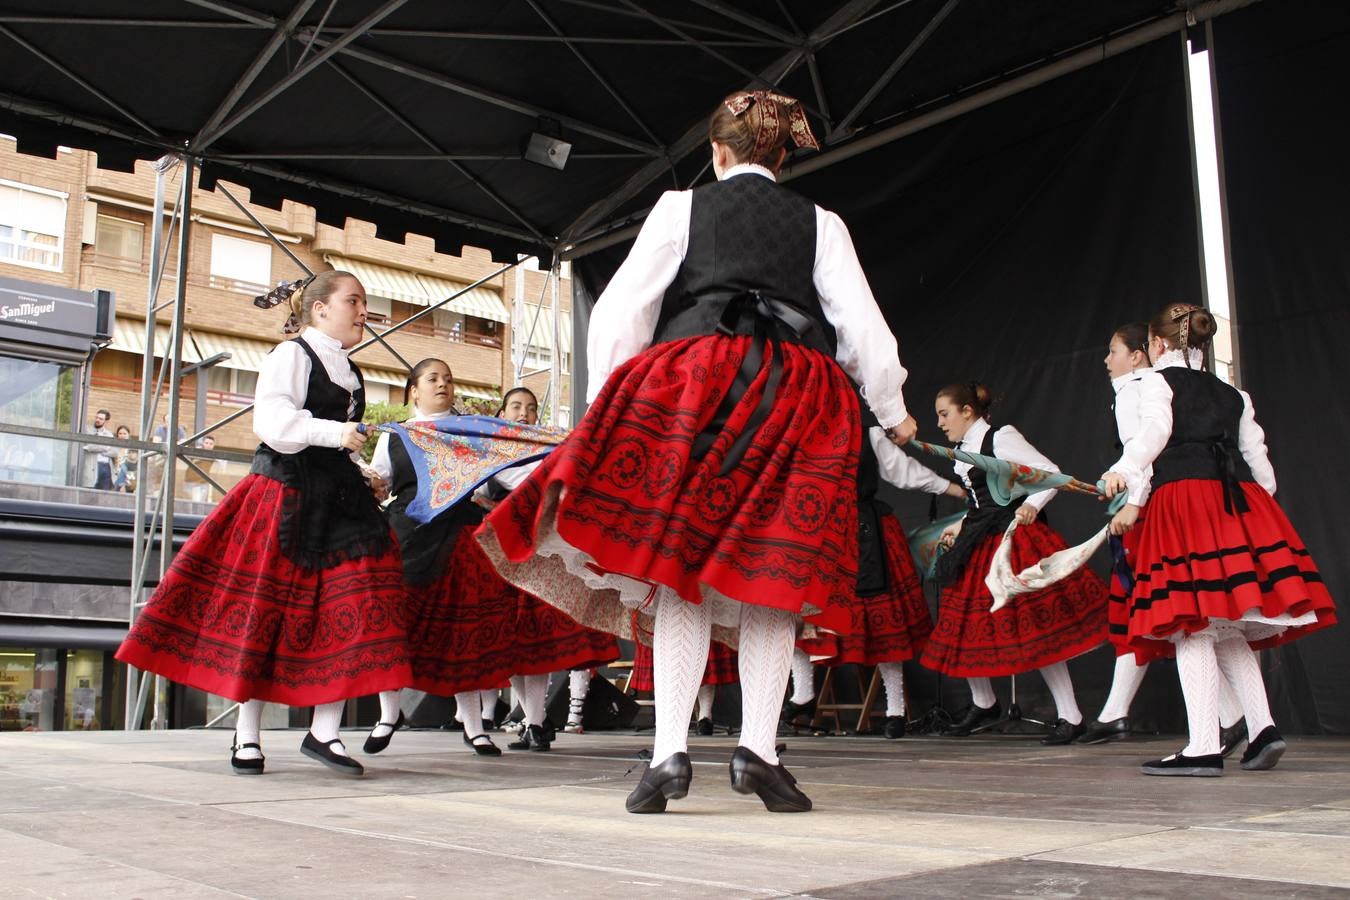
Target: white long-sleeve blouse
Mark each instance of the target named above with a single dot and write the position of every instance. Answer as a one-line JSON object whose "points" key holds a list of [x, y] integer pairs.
{"points": [[279, 418], [1009, 444], [624, 320]]}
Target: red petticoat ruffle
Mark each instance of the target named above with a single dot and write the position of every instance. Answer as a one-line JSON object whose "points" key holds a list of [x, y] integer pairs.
{"points": [[889, 627], [721, 667], [470, 630], [1195, 562], [235, 617], [778, 529], [1035, 630]]}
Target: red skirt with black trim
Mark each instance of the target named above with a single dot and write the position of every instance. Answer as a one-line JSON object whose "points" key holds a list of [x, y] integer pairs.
{"points": [[721, 669], [235, 617], [1034, 630], [470, 630], [890, 627], [778, 528], [1196, 563]]}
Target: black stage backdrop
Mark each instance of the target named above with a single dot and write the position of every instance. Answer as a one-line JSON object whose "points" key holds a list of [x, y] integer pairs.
{"points": [[1007, 245], [1282, 88]]}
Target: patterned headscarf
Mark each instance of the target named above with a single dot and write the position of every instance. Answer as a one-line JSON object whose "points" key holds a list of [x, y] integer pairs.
{"points": [[772, 107]]}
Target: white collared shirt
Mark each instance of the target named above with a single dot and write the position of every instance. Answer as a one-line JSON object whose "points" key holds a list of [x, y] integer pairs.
{"points": [[279, 418], [380, 462], [624, 320], [1127, 388], [1155, 429], [902, 470], [1009, 444]]}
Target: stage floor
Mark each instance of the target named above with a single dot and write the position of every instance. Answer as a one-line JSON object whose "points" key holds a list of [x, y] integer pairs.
{"points": [[117, 814]]}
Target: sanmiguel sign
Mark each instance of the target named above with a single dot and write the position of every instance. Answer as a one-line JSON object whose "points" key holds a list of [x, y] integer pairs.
{"points": [[42, 320]]}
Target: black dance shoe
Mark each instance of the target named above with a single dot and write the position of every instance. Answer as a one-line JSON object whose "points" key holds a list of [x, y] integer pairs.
{"points": [[774, 784], [894, 728], [668, 781], [794, 711], [1231, 738], [323, 752], [1099, 732], [376, 744], [1064, 732], [532, 737], [483, 746], [974, 717], [1264, 751], [246, 766], [1208, 766], [704, 727]]}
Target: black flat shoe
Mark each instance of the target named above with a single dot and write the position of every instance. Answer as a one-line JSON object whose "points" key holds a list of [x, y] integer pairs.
{"points": [[376, 744], [323, 752], [774, 784], [246, 766], [1264, 751], [532, 737], [704, 727], [1231, 738], [974, 717], [483, 749], [668, 781], [1099, 732], [1064, 732], [1208, 766], [894, 728], [794, 711]]}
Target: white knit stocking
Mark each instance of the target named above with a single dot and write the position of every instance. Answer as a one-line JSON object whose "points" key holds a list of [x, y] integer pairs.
{"points": [[1059, 681], [893, 679], [389, 711], [248, 728], [578, 683], [1241, 669], [803, 677], [1199, 671], [470, 712], [1230, 709], [982, 692], [327, 719], [488, 702], [767, 636], [707, 693], [534, 690], [680, 640], [1124, 685]]}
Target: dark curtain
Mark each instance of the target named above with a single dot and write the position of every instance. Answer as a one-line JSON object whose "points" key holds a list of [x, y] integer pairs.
{"points": [[1282, 84]]}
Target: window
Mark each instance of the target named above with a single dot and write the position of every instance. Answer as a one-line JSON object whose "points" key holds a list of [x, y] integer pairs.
{"points": [[230, 386], [119, 238], [538, 358], [239, 265], [379, 310], [376, 392], [32, 226], [449, 324]]}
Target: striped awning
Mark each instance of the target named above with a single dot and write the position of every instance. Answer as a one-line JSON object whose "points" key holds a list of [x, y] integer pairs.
{"points": [[245, 354], [476, 392], [423, 290], [540, 321]]}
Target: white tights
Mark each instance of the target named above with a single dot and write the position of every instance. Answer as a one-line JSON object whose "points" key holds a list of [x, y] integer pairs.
{"points": [[1203, 662]]}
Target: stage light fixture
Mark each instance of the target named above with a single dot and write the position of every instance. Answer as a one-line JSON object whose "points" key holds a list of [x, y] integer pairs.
{"points": [[546, 147]]}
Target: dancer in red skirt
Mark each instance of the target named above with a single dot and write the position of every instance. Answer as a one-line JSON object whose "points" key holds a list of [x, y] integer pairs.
{"points": [[290, 591], [712, 483], [469, 630], [1126, 363], [1219, 570], [891, 622], [721, 669], [1041, 629]]}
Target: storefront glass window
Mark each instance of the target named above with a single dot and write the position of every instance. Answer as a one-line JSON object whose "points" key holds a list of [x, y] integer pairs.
{"points": [[28, 689], [36, 394], [84, 690]]}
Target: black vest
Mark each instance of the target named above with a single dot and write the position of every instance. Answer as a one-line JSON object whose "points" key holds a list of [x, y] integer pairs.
{"points": [[983, 517], [425, 548], [332, 516], [1206, 416], [747, 235], [873, 577]]}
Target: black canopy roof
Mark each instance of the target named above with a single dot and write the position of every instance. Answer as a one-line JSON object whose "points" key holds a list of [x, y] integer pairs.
{"points": [[411, 113]]}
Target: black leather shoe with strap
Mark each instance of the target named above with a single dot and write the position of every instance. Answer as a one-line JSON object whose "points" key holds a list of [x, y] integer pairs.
{"points": [[376, 744], [774, 784], [668, 781], [324, 753]]}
